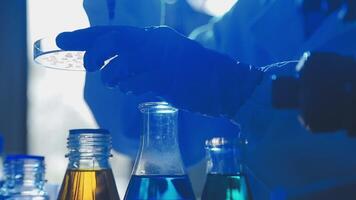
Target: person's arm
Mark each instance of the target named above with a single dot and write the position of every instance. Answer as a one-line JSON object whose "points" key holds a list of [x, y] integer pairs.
{"points": [[323, 92], [232, 33], [162, 61]]}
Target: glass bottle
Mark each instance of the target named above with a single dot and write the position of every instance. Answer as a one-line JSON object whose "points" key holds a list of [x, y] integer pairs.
{"points": [[24, 178], [158, 171], [2, 178], [225, 179], [89, 175]]}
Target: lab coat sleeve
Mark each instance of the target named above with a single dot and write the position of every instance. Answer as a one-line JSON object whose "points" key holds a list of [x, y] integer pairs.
{"points": [[231, 34], [275, 137], [258, 33]]}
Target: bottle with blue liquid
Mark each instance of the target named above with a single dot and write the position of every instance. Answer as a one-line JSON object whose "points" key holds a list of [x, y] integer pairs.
{"points": [[226, 179], [159, 173], [24, 178]]}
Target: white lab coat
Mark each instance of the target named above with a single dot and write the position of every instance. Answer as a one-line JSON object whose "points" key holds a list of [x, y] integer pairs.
{"points": [[293, 163], [118, 112], [290, 161]]}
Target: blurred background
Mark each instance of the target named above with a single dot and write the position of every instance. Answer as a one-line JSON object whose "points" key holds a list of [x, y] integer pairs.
{"points": [[39, 105]]}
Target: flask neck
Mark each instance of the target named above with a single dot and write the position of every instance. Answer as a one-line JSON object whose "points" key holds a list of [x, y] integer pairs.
{"points": [[89, 149], [224, 157], [159, 131], [24, 174], [159, 152]]}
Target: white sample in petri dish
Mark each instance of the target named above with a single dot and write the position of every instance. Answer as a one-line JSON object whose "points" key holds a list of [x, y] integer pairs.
{"points": [[48, 54]]}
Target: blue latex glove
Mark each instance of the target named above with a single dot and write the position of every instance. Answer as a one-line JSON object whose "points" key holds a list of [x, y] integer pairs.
{"points": [[164, 62]]}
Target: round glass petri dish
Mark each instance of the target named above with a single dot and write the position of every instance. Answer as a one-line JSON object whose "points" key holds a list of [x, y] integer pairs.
{"points": [[48, 54]]}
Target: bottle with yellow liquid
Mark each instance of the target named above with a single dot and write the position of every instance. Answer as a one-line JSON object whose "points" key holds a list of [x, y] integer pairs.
{"points": [[89, 175]]}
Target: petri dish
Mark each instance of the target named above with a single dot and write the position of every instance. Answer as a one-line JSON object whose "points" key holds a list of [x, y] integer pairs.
{"points": [[48, 54]]}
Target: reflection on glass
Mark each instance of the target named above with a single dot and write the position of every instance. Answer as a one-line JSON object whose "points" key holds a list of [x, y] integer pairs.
{"points": [[158, 172], [226, 179], [89, 174], [48, 54]]}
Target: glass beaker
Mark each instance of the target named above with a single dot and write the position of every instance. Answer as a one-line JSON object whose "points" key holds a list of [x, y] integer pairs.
{"points": [[225, 175], [89, 175], [159, 172], [24, 178]]}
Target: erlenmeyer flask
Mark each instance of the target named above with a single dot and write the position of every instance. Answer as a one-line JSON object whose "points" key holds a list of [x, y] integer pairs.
{"points": [[89, 175], [159, 172], [226, 179]]}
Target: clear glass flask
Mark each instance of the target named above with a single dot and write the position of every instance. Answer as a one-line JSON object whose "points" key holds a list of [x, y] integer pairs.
{"points": [[24, 178], [225, 179], [159, 172], [89, 175]]}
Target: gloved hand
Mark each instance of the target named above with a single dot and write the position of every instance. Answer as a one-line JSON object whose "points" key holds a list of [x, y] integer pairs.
{"points": [[164, 62], [323, 92]]}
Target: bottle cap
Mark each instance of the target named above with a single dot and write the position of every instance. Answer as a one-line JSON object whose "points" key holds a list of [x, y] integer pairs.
{"points": [[24, 157], [88, 131]]}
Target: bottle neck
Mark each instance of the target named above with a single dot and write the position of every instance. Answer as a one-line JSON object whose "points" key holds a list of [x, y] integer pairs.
{"points": [[159, 152], [89, 149], [224, 158], [24, 173]]}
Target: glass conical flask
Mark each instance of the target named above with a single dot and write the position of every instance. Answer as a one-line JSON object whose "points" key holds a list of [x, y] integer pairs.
{"points": [[89, 175], [159, 172], [226, 179]]}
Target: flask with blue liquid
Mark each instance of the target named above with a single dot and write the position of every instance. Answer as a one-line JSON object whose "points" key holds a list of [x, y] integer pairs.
{"points": [[225, 179], [159, 172], [24, 178]]}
